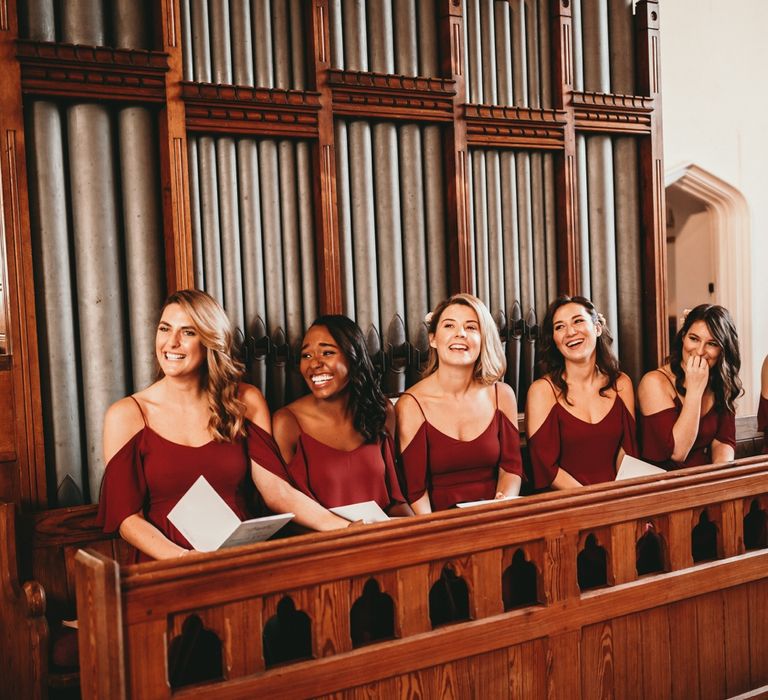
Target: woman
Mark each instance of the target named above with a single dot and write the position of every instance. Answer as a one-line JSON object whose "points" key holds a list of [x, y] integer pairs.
{"points": [[580, 414], [336, 441], [457, 426], [762, 409], [197, 419], [687, 405]]}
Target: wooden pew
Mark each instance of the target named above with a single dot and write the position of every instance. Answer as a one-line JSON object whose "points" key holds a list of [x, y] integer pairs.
{"points": [[39, 550], [692, 629]]}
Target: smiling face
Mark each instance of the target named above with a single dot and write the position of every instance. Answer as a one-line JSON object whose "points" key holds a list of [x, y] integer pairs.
{"points": [[574, 332], [178, 346], [457, 338], [323, 365], [699, 342]]}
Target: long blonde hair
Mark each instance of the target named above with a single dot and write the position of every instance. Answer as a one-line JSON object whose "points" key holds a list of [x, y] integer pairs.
{"points": [[491, 363], [222, 371]]}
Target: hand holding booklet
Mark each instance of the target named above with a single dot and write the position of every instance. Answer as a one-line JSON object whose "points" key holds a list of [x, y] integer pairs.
{"points": [[632, 467], [208, 523], [367, 511]]}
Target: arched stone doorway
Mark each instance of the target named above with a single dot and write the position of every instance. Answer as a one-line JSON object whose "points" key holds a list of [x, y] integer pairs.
{"points": [[708, 243]]}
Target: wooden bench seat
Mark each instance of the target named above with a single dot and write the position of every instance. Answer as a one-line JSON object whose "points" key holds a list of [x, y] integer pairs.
{"points": [[693, 627]]}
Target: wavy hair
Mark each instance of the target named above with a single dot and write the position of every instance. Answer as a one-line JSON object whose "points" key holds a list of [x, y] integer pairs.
{"points": [[221, 371], [491, 363], [551, 361], [366, 399], [724, 374]]}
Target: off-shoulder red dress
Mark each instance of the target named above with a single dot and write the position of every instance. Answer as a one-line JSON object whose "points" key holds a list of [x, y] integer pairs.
{"points": [[762, 421], [336, 477], [658, 442], [454, 471], [150, 474], [587, 451]]}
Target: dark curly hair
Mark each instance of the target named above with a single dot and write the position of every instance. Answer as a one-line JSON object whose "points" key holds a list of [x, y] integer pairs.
{"points": [[366, 399], [724, 375], [551, 362]]}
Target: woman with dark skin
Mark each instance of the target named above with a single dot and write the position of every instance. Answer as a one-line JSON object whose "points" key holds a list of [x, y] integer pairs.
{"points": [[687, 405], [336, 442]]}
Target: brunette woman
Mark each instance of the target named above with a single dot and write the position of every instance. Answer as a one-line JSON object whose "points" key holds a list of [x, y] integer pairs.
{"points": [[197, 419], [687, 405], [580, 414], [457, 427], [336, 441]]}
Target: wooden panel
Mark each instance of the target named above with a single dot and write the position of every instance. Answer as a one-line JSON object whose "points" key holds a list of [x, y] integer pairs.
{"points": [[564, 666], [489, 675], [736, 620], [628, 670], [732, 528], [684, 638], [656, 653], [680, 525], [8, 432], [622, 548], [597, 661], [147, 645], [758, 633], [711, 645], [528, 669], [331, 619], [413, 600], [485, 584]]}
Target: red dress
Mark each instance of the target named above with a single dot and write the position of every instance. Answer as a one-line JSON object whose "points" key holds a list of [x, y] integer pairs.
{"points": [[150, 474], [587, 451], [454, 471], [336, 477], [658, 443], [762, 421]]}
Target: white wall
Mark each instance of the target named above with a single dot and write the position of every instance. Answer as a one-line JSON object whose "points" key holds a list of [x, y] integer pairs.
{"points": [[713, 60]]}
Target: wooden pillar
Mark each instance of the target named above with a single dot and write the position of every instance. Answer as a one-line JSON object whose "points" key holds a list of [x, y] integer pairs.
{"points": [[29, 487], [174, 169], [656, 342], [568, 279], [324, 165], [456, 152]]}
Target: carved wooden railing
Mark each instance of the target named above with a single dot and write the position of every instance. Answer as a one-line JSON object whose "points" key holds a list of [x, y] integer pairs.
{"points": [[649, 588]]}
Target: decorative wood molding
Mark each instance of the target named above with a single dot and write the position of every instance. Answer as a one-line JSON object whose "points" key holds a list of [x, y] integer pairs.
{"points": [[228, 109], [524, 127], [75, 71], [395, 97], [618, 114]]}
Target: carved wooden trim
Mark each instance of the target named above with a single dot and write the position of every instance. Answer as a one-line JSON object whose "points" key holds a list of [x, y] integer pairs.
{"points": [[75, 71], [395, 97], [250, 110], [327, 249], [515, 126], [622, 114]]}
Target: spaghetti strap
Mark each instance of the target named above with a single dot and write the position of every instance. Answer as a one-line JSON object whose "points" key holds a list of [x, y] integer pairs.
{"points": [[405, 393], [143, 417], [496, 391], [552, 386], [666, 376]]}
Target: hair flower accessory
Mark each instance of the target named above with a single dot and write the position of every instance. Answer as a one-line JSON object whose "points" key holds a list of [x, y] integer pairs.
{"points": [[601, 320], [428, 317]]}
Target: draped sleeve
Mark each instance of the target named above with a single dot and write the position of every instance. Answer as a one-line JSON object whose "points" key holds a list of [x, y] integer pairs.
{"points": [[124, 486], [629, 438], [263, 450], [510, 459], [544, 450], [414, 462], [391, 476], [726, 428], [762, 420], [658, 442]]}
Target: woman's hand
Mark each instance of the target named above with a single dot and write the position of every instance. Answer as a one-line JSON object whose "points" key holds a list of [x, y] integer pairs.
{"points": [[696, 375]]}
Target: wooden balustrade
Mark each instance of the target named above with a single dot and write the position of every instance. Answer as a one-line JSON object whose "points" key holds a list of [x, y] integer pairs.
{"points": [[648, 588]]}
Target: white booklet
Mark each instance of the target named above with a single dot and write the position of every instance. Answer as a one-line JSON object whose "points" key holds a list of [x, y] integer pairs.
{"points": [[367, 511], [469, 504], [631, 467], [208, 523]]}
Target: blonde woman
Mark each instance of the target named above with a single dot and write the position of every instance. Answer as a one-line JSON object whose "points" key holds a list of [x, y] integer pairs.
{"points": [[457, 427], [197, 419]]}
